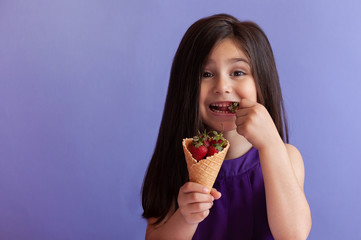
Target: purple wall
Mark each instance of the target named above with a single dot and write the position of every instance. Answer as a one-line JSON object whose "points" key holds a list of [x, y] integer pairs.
{"points": [[82, 88]]}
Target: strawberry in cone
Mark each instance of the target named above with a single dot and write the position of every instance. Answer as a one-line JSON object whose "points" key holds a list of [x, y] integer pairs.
{"points": [[204, 156]]}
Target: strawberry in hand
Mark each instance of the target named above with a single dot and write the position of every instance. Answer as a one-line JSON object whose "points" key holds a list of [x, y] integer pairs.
{"points": [[233, 107]]}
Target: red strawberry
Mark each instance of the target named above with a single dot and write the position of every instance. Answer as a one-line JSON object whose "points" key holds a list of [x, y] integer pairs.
{"points": [[207, 143], [211, 151], [215, 141], [233, 107], [198, 152]]}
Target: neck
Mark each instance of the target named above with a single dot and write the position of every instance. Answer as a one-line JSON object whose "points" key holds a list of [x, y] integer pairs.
{"points": [[239, 144]]}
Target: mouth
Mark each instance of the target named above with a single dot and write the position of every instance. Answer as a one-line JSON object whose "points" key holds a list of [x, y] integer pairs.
{"points": [[224, 107]]}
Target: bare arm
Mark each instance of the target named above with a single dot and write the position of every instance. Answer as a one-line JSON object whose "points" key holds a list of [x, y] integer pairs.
{"points": [[174, 228], [288, 212], [194, 203]]}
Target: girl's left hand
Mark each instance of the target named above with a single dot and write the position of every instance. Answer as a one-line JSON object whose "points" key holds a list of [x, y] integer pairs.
{"points": [[255, 124]]}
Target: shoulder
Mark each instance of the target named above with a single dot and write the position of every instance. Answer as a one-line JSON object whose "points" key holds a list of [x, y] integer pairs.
{"points": [[297, 163], [151, 226], [293, 151], [153, 223]]}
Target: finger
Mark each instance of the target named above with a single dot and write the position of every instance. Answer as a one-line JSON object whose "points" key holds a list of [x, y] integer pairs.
{"points": [[243, 129], [217, 195], [199, 207], [241, 120], [242, 112], [198, 198], [246, 103], [198, 217], [194, 187]]}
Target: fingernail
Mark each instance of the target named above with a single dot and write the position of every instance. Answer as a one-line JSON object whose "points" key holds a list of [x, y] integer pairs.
{"points": [[212, 199], [206, 190]]}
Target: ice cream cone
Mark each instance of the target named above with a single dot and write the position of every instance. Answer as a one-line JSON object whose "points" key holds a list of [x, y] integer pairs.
{"points": [[205, 171]]}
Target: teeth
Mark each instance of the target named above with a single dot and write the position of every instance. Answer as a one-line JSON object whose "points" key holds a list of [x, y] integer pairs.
{"points": [[220, 104], [218, 111]]}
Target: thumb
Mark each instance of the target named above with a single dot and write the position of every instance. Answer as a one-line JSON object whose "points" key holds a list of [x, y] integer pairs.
{"points": [[246, 103], [217, 195]]}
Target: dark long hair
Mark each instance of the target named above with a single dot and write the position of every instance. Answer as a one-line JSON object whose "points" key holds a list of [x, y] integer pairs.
{"points": [[167, 170]]}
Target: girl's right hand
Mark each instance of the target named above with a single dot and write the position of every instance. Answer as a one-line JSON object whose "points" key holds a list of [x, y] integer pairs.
{"points": [[194, 201]]}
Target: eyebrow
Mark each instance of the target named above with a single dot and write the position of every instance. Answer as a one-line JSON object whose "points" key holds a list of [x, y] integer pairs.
{"points": [[231, 60]]}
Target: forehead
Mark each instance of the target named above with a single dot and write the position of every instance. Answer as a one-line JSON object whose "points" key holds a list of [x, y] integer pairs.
{"points": [[226, 50]]}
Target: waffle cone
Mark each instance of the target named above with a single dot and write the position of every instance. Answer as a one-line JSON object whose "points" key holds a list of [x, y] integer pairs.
{"points": [[205, 171]]}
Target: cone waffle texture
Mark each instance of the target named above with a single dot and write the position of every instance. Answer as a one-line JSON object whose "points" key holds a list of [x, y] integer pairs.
{"points": [[206, 170]]}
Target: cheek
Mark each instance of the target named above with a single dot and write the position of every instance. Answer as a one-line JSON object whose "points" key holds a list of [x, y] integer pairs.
{"points": [[203, 95], [248, 91], [253, 90], [204, 91]]}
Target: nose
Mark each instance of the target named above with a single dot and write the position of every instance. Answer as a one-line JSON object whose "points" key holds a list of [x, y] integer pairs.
{"points": [[222, 85]]}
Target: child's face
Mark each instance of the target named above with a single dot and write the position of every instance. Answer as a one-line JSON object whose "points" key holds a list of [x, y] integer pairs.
{"points": [[226, 78]]}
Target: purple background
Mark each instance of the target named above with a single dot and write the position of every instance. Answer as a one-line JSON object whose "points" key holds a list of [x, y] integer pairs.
{"points": [[82, 89]]}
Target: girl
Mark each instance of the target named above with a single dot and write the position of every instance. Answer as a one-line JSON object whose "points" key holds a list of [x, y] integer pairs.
{"points": [[259, 195]]}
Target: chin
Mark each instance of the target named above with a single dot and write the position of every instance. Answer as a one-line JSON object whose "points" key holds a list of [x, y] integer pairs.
{"points": [[221, 126]]}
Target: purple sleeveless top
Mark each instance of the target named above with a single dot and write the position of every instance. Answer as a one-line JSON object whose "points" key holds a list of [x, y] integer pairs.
{"points": [[241, 211]]}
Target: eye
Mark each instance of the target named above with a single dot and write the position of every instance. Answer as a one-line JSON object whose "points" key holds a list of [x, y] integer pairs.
{"points": [[237, 73], [207, 75]]}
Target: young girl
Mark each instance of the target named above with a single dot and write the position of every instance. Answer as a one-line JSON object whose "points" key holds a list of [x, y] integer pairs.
{"points": [[258, 193]]}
